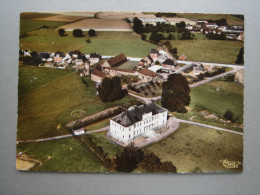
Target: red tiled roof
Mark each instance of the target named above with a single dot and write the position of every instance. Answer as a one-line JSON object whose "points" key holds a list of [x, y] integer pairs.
{"points": [[117, 60], [148, 73], [99, 73]]}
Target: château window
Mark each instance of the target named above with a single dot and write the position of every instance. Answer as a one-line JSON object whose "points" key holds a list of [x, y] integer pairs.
{"points": [[129, 136]]}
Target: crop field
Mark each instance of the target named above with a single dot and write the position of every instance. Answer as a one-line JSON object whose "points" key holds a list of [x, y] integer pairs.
{"points": [[98, 25], [65, 155], [216, 51], [34, 15], [32, 25], [41, 110], [231, 20], [62, 18], [206, 98], [105, 43], [194, 148], [122, 15]]}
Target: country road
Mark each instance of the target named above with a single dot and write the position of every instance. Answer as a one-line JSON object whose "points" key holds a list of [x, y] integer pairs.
{"points": [[63, 136]]}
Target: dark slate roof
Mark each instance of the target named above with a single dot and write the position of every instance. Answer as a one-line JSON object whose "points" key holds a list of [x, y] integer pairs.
{"points": [[169, 62], [200, 67], [129, 117], [59, 53], [154, 51], [150, 58], [43, 55], [95, 55]]}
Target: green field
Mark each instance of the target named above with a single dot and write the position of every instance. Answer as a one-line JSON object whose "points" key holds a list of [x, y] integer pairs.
{"points": [[216, 51], [206, 98], [197, 36], [105, 43], [231, 20], [31, 78], [43, 109], [192, 147], [66, 155], [32, 25], [112, 149]]}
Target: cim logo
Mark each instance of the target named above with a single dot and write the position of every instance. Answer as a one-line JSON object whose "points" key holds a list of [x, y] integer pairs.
{"points": [[230, 164]]}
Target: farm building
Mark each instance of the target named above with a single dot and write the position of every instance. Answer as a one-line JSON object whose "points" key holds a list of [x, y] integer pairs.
{"points": [[94, 58], [112, 71], [97, 75], [115, 61], [198, 68], [147, 75], [173, 21], [137, 121], [148, 20]]}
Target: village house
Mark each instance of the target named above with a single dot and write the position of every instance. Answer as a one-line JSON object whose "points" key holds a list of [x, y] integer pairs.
{"points": [[94, 58], [97, 75], [79, 131], [147, 75], [182, 57], [198, 68], [44, 56], [154, 54], [58, 57], [115, 61], [169, 63], [26, 53], [211, 25], [137, 121], [112, 71]]}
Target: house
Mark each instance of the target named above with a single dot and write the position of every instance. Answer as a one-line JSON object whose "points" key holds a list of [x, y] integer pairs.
{"points": [[156, 68], [198, 68], [97, 75], [44, 56], [26, 53], [58, 57], [169, 63], [79, 131], [137, 121], [115, 61], [211, 25], [94, 58], [182, 57], [154, 54], [112, 71], [147, 75]]}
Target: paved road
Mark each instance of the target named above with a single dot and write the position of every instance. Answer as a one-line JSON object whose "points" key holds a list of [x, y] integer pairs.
{"points": [[209, 126], [147, 99], [211, 78], [63, 136]]}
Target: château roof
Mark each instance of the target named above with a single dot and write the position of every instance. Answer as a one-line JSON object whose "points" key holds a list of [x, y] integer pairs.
{"points": [[131, 116]]}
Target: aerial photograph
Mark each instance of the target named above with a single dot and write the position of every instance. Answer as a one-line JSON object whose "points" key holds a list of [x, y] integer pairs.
{"points": [[130, 92]]}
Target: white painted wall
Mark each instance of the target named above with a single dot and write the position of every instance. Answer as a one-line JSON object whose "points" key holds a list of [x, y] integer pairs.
{"points": [[149, 123]]}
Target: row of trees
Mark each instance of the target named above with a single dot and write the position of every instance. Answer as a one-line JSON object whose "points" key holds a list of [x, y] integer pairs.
{"points": [[77, 32], [131, 158], [221, 36]]}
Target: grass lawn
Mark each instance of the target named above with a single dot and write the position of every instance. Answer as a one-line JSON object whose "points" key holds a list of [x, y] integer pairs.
{"points": [[105, 43], [108, 146], [67, 155], [206, 98], [231, 20], [32, 25], [192, 147], [129, 65], [43, 109], [31, 78], [216, 51]]}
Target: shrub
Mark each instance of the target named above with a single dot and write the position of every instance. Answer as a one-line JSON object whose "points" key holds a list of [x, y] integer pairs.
{"points": [[61, 32], [143, 36], [142, 88], [77, 33], [229, 115], [92, 32], [146, 93]]}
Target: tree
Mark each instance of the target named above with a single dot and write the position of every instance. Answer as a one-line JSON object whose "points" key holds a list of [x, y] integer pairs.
{"points": [[128, 159], [138, 26], [77, 33], [182, 24], [240, 56], [143, 36], [110, 89], [175, 93], [61, 32], [92, 32], [229, 115]]}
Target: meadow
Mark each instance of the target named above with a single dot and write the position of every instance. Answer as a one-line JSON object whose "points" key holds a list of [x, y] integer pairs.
{"points": [[207, 98], [41, 110], [65, 155], [105, 43], [197, 149], [231, 19]]}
